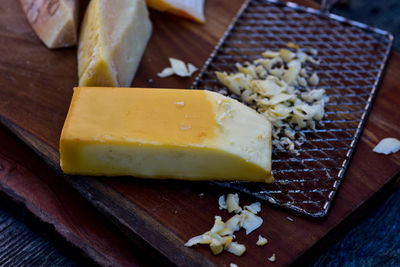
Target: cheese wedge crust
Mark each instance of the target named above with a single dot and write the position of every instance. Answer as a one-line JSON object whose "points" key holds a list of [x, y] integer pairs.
{"points": [[114, 35], [164, 133], [55, 22]]}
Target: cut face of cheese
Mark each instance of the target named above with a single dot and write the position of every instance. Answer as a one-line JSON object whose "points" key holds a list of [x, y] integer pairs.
{"points": [[164, 133], [190, 9], [113, 38], [55, 22]]}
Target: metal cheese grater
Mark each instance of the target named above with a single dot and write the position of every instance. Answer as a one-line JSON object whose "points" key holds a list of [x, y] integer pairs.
{"points": [[353, 56]]}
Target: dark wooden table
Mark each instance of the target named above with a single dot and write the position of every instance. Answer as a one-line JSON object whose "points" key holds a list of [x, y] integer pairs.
{"points": [[176, 207]]}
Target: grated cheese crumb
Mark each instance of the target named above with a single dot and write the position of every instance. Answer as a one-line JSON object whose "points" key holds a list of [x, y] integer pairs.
{"points": [[387, 146], [179, 68], [222, 203], [262, 241], [166, 72], [272, 258]]}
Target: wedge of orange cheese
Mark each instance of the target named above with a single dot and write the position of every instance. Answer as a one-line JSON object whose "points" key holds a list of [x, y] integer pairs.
{"points": [[54, 21], [164, 133], [190, 9], [114, 35]]}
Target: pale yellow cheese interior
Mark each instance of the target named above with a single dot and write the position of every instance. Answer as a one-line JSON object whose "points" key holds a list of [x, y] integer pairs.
{"points": [[114, 35], [55, 22], [164, 133]]}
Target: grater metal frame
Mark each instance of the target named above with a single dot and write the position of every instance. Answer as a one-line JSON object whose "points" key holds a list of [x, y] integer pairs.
{"points": [[264, 192]]}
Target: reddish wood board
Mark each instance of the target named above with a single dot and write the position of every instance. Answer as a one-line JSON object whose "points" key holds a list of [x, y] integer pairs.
{"points": [[37, 86]]}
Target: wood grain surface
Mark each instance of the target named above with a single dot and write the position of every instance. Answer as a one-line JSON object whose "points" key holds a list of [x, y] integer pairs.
{"points": [[36, 89]]}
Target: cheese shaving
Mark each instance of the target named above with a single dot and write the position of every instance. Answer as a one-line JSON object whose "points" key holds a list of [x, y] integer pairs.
{"points": [[278, 85], [272, 258], [222, 203], [236, 249], [192, 69], [387, 146], [262, 241], [232, 203], [179, 68], [254, 208], [166, 72]]}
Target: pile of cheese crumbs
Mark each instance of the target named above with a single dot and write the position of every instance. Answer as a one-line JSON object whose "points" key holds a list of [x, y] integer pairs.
{"points": [[220, 236], [278, 85]]}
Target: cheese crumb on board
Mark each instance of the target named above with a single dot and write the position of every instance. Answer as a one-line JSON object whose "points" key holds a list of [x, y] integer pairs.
{"points": [[272, 258], [222, 203], [387, 146], [254, 208], [262, 241], [250, 221], [233, 265], [232, 203], [166, 72], [179, 68], [279, 85], [236, 249], [55, 22]]}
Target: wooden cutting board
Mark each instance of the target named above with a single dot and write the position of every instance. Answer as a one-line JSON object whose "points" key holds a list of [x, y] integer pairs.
{"points": [[37, 87]]}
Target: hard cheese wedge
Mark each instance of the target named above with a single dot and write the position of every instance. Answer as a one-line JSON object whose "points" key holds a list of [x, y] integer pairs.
{"points": [[113, 38], [55, 22], [190, 9], [164, 133]]}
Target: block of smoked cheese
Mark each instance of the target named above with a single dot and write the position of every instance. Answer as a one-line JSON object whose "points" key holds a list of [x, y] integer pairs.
{"points": [[114, 35], [55, 21], [164, 133]]}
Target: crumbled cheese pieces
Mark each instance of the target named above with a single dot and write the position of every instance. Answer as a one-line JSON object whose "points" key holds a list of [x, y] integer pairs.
{"points": [[219, 238], [233, 265], [272, 258], [387, 146], [221, 235], [262, 241], [179, 68], [278, 86]]}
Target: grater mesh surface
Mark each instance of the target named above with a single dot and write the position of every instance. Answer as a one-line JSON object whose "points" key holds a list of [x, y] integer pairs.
{"points": [[352, 56]]}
